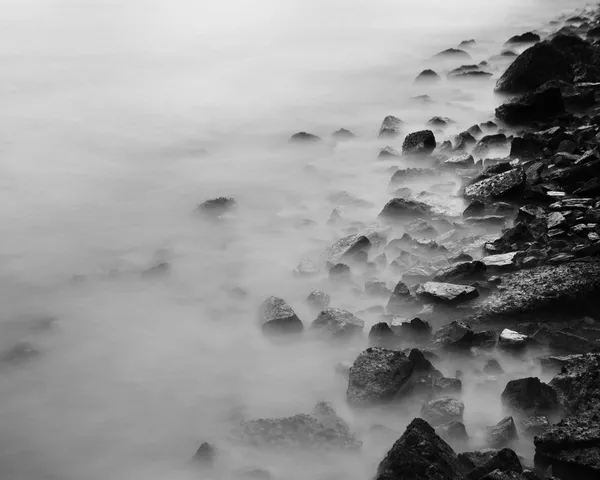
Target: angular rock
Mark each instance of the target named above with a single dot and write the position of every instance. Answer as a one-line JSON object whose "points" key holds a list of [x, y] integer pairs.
{"points": [[402, 209], [336, 323], [447, 292], [578, 382], [529, 396], [443, 410], [500, 262], [277, 317], [346, 247], [464, 160], [543, 104], [419, 143], [317, 300], [505, 460], [453, 432], [513, 341], [453, 53], [492, 367], [502, 434], [535, 425], [528, 37], [306, 268], [343, 134], [453, 336], [381, 335], [217, 206], [390, 127], [389, 153], [502, 185], [205, 456], [461, 272], [414, 331]]}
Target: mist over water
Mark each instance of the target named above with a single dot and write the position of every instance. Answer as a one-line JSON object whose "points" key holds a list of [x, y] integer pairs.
{"points": [[118, 118]]}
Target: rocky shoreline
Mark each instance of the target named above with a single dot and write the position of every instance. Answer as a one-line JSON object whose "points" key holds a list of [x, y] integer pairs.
{"points": [[518, 273]]}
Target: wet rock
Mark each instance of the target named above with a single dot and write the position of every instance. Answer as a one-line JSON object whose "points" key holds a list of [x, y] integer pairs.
{"points": [[419, 143], [513, 341], [503, 185], [461, 272], [390, 127], [340, 272], [529, 396], [535, 425], [381, 335], [346, 247], [277, 317], [415, 331], [446, 292], [505, 460], [453, 53], [453, 432], [377, 376], [445, 386], [335, 323], [527, 147], [463, 141], [443, 410], [323, 428], [528, 37], [419, 454], [343, 134], [562, 341], [485, 339], [428, 76], [318, 301], [500, 262], [388, 153], [534, 67], [306, 268], [578, 383], [205, 456], [502, 434], [217, 206], [402, 209], [460, 161], [493, 367], [543, 104], [453, 336], [303, 137]]}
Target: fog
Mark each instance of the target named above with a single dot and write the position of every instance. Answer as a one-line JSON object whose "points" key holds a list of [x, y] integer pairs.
{"points": [[118, 119]]}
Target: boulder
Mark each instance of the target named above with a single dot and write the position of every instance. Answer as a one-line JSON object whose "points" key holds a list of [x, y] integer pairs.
{"points": [[402, 209], [502, 434], [493, 367], [405, 175], [445, 386], [322, 428], [346, 247], [336, 323], [306, 268], [501, 262], [535, 425], [419, 454], [303, 137], [390, 127], [419, 143], [505, 460], [381, 335], [453, 336], [377, 376], [318, 301], [453, 432], [528, 37], [565, 342], [461, 272], [217, 206], [277, 317], [529, 396], [543, 104], [428, 76], [513, 341], [527, 147], [388, 153], [453, 53], [205, 456], [340, 272], [377, 288], [450, 293], [414, 331], [343, 134], [578, 383], [443, 410], [503, 185], [464, 160]]}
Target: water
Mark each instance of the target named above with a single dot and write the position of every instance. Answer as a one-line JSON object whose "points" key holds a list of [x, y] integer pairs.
{"points": [[118, 118]]}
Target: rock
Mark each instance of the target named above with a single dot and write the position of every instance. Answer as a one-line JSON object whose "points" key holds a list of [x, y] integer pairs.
{"points": [[377, 376], [505, 460], [453, 53], [428, 76], [20, 352], [421, 228], [492, 367], [217, 206], [461, 272], [419, 143], [401, 209], [381, 335], [346, 247], [504, 185], [527, 147], [467, 43], [453, 336], [340, 273], [534, 67], [415, 331], [338, 324], [543, 104], [205, 456], [303, 137], [502, 434], [277, 317], [529, 396], [500, 475], [443, 410], [439, 121], [317, 300], [485, 339], [535, 425], [500, 262], [447, 386], [578, 383], [390, 127], [453, 432], [528, 37], [446, 292], [472, 75], [323, 428], [419, 454], [464, 141], [377, 288], [343, 134], [562, 341], [388, 153], [306, 268], [460, 161], [513, 341]]}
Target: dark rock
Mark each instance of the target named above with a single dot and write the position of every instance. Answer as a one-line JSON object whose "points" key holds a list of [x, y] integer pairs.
{"points": [[377, 376], [205, 456], [526, 147], [463, 141], [419, 454], [502, 434], [461, 272], [343, 134], [578, 383], [217, 206], [404, 175], [340, 272], [534, 67], [453, 336], [453, 53], [472, 75], [277, 317], [402, 209], [390, 127], [503, 185], [443, 410], [415, 331], [303, 137], [492, 367], [445, 386], [439, 121], [346, 247], [535, 425], [419, 143], [428, 76], [544, 103], [381, 335], [388, 153], [318, 300], [529, 396], [460, 161], [513, 341], [505, 460], [453, 432], [377, 288], [485, 339], [528, 37], [447, 292], [323, 428], [562, 341], [336, 323]]}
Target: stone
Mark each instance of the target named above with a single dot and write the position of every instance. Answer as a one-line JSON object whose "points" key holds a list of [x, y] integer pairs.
{"points": [[388, 153], [306, 268], [405, 175], [453, 432], [390, 127], [343, 134], [277, 317], [318, 300], [205, 456], [414, 331], [440, 292], [578, 383], [493, 367], [503, 185], [461, 272], [445, 386], [428, 76], [502, 434], [453, 53], [500, 262], [402, 209], [381, 335], [419, 454], [543, 104], [419, 143], [346, 247], [377, 376], [528, 37], [513, 341], [464, 160], [217, 206], [453, 336], [340, 272], [303, 137], [336, 323], [377, 288], [443, 410], [534, 425], [529, 396], [505, 460], [564, 342], [439, 121]]}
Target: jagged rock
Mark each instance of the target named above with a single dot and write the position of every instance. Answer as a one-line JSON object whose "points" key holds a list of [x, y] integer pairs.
{"points": [[492, 367], [534, 67], [428, 76], [562, 341], [217, 206], [419, 454], [346, 247], [528, 37], [419, 143], [505, 460], [306, 268], [377, 376], [447, 386], [443, 410], [343, 134], [277, 317], [381, 335], [421, 228], [529, 396], [453, 432], [502, 185], [389, 152], [464, 141], [377, 288], [336, 323], [527, 147], [401, 209], [578, 383], [415, 330], [405, 175], [535, 425], [485, 339], [500, 262], [513, 341], [390, 127], [323, 428], [467, 43], [447, 292], [453, 53], [544, 103], [453, 336], [439, 121], [318, 300], [461, 272], [205, 456], [252, 474], [502, 434], [401, 299], [464, 160], [471, 460]]}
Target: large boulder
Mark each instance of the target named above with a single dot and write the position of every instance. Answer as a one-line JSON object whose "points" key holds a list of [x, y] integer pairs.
{"points": [[419, 143], [336, 323], [414, 331], [453, 432], [503, 185], [322, 428], [543, 104], [450, 293], [419, 454], [505, 460], [528, 37], [318, 300], [529, 396], [502, 434], [443, 410], [377, 376], [277, 317], [534, 67], [453, 336]]}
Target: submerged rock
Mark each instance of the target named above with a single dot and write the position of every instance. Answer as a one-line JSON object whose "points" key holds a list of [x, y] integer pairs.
{"points": [[402, 208], [529, 396], [502, 434], [543, 104], [381, 335], [303, 137], [453, 53], [419, 143], [447, 292], [277, 317], [443, 410], [390, 127], [217, 206], [346, 247], [338, 324], [428, 76]]}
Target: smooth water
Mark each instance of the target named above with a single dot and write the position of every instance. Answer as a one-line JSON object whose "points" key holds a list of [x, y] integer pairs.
{"points": [[118, 118]]}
